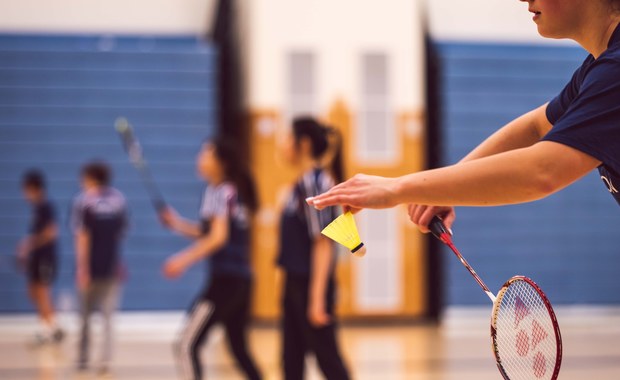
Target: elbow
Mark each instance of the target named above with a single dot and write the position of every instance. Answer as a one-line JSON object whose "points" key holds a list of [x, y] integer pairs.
{"points": [[217, 245], [217, 242], [53, 234], [545, 182]]}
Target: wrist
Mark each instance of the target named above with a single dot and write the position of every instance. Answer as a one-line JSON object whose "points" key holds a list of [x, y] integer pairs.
{"points": [[186, 258], [398, 188], [317, 297]]}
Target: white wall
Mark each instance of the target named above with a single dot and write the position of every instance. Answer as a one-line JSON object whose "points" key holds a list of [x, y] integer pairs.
{"points": [[106, 16], [338, 32], [483, 20]]}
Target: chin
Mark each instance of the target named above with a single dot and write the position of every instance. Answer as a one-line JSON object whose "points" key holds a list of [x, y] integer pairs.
{"points": [[550, 33]]}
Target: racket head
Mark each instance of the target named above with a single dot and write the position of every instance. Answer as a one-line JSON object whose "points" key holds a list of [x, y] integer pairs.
{"points": [[526, 335], [130, 143]]}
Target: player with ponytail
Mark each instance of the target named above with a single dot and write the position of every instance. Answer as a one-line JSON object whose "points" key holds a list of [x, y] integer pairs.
{"points": [[222, 235], [307, 257]]}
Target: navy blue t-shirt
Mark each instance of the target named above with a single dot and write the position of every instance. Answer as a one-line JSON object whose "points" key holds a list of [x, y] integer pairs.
{"points": [[44, 215], [234, 257], [301, 224], [586, 114], [104, 216]]}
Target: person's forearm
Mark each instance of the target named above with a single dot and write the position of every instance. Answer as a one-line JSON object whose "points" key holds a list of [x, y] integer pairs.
{"points": [[82, 251], [320, 269], [512, 177], [187, 228], [201, 249], [45, 237], [522, 132]]}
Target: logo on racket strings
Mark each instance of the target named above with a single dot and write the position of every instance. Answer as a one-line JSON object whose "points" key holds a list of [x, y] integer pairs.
{"points": [[527, 342]]}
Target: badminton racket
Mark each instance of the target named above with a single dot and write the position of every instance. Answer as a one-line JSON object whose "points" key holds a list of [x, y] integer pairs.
{"points": [[525, 333], [136, 157]]}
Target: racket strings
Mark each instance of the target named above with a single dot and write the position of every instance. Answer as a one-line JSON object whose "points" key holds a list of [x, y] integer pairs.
{"points": [[525, 340]]}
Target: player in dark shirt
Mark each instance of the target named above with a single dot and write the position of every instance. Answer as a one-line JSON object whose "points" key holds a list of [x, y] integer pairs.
{"points": [[99, 221], [536, 154], [223, 236], [37, 254], [307, 257]]}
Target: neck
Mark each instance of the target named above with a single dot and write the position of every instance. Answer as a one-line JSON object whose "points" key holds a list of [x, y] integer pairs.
{"points": [[595, 39], [307, 163], [95, 189], [216, 180]]}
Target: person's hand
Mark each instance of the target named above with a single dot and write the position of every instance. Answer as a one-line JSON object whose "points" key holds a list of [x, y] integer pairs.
{"points": [[82, 278], [422, 215], [317, 315], [174, 267], [361, 191], [168, 217]]}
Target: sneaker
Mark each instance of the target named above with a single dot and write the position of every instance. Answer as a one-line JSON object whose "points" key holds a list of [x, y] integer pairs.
{"points": [[82, 366], [104, 372], [58, 336], [39, 340]]}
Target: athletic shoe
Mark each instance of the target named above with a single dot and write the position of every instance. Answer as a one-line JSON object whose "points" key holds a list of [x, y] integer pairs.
{"points": [[104, 372], [58, 336]]}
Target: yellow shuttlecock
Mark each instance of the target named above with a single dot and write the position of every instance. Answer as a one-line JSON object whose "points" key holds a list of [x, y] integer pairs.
{"points": [[344, 231]]}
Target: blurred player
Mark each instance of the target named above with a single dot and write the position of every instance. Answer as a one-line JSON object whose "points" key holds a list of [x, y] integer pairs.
{"points": [[222, 235], [536, 154], [37, 255], [99, 221], [307, 257]]}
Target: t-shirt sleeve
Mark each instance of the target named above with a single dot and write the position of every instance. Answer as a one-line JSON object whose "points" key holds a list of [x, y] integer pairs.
{"points": [[217, 200], [558, 105], [76, 219], [591, 122], [317, 219]]}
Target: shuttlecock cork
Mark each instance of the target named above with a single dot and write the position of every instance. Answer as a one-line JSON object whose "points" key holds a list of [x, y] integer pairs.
{"points": [[344, 231]]}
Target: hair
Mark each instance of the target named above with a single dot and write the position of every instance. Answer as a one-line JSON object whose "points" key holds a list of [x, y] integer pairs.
{"points": [[98, 171], [325, 141], [33, 179], [236, 171]]}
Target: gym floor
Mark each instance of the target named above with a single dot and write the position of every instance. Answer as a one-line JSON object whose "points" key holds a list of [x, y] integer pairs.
{"points": [[458, 349]]}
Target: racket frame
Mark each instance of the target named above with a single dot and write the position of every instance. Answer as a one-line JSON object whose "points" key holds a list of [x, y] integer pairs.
{"points": [[136, 157], [547, 303], [441, 232]]}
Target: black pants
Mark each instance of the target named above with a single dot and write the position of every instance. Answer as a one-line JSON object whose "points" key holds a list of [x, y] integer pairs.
{"points": [[226, 301], [300, 337]]}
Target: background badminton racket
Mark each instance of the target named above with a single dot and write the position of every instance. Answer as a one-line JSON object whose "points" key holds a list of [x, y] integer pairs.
{"points": [[136, 157], [526, 336]]}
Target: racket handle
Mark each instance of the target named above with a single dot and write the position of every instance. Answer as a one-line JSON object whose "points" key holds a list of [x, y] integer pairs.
{"points": [[438, 229]]}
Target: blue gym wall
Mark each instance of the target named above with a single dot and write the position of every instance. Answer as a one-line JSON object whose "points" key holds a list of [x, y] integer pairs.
{"points": [[59, 97], [568, 243]]}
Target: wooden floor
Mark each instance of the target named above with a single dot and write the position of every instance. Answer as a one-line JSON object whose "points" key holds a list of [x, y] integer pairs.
{"points": [[459, 349]]}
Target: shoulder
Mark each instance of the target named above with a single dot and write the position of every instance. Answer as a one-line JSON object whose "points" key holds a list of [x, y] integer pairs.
{"points": [[225, 190], [324, 180], [80, 199], [115, 195], [47, 206], [606, 67], [316, 181]]}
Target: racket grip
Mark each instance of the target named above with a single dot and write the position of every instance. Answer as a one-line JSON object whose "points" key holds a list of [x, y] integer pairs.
{"points": [[438, 229]]}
